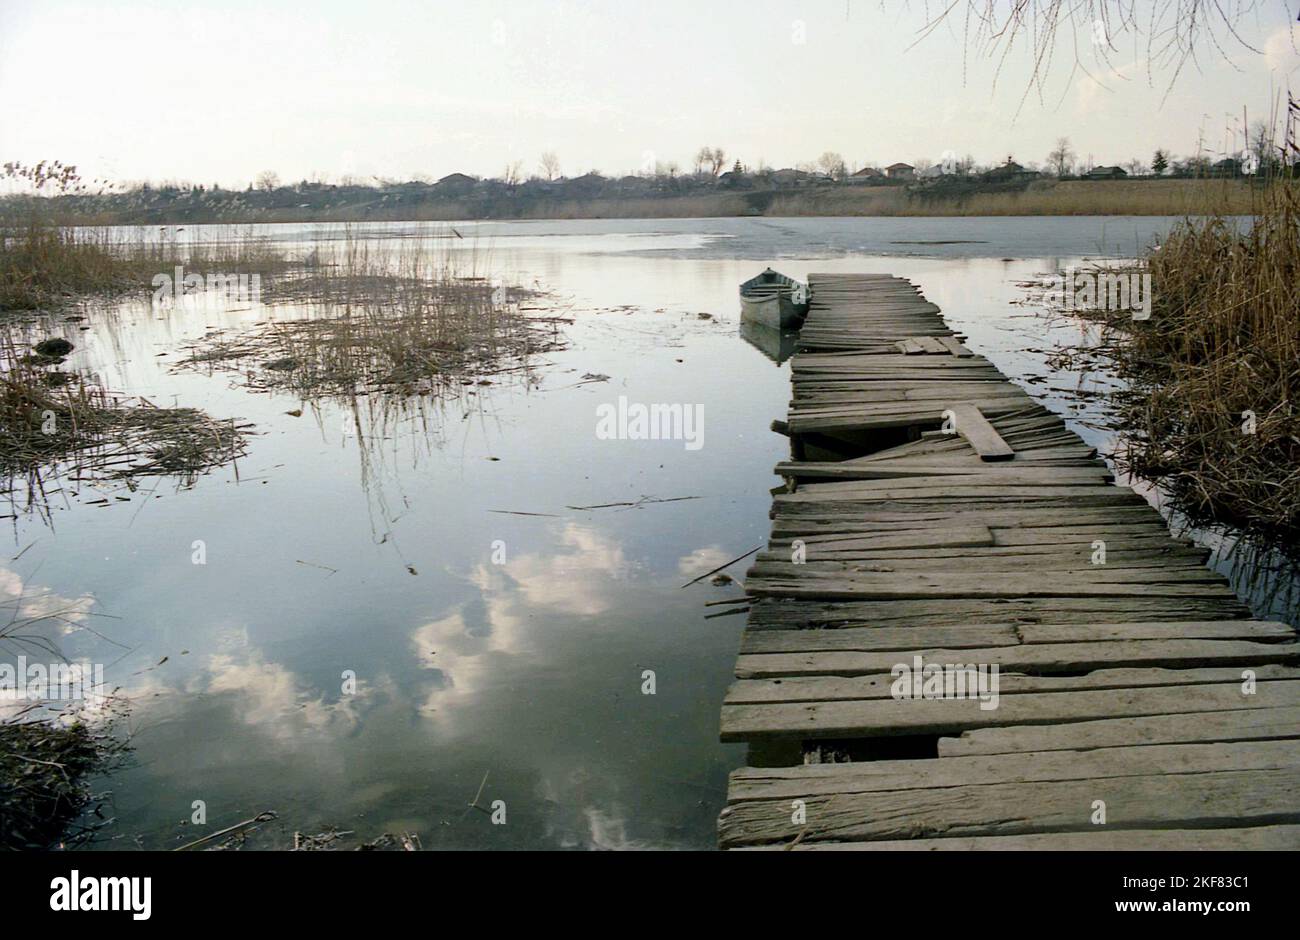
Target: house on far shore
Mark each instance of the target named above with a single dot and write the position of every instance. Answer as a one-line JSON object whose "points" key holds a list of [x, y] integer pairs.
{"points": [[456, 182], [1011, 170], [900, 171], [932, 172], [867, 174], [1106, 173], [1230, 166], [784, 179]]}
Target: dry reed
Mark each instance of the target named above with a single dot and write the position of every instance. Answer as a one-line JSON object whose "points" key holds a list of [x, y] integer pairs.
{"points": [[44, 264], [1209, 408], [415, 322], [51, 418], [43, 771]]}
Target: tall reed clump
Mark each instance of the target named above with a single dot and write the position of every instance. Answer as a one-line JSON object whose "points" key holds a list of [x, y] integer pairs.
{"points": [[1210, 410], [42, 262], [43, 265], [420, 319], [46, 262], [46, 265]]}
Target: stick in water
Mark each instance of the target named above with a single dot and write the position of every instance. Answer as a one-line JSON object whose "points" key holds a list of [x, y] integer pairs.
{"points": [[720, 567]]}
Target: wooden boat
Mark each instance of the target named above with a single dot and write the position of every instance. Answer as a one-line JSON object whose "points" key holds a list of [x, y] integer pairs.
{"points": [[774, 301]]}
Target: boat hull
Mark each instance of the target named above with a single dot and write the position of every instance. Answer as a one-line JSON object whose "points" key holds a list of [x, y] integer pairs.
{"points": [[775, 311], [774, 301]]}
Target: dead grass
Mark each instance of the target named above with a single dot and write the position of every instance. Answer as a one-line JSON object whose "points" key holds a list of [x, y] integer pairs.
{"points": [[418, 323], [44, 766], [50, 418], [44, 264], [1045, 197], [1209, 410]]}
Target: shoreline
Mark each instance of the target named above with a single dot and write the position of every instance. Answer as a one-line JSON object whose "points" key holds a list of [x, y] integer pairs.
{"points": [[1071, 198]]}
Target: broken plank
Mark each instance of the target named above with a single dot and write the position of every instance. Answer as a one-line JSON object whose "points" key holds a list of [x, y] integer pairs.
{"points": [[972, 425]]}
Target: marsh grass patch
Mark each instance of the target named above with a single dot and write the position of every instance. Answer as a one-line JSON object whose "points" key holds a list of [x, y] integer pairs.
{"points": [[45, 769], [61, 423], [418, 322], [1208, 407]]}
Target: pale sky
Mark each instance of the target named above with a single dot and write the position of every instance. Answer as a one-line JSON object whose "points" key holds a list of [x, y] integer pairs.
{"points": [[217, 92]]}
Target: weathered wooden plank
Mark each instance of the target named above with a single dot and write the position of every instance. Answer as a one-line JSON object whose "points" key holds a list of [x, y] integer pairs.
{"points": [[966, 636], [1100, 521], [822, 566], [933, 584], [969, 471], [833, 688], [827, 556], [973, 426], [1125, 675], [1044, 658], [954, 537], [903, 414], [860, 478], [878, 365], [787, 613], [1238, 725], [1087, 493], [1254, 839], [870, 718], [880, 639], [954, 347], [1215, 799], [1203, 630], [790, 783]]}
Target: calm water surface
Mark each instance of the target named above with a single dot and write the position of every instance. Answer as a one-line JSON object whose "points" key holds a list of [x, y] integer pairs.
{"points": [[378, 553]]}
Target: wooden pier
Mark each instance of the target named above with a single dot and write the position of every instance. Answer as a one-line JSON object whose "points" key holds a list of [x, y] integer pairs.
{"points": [[935, 513]]}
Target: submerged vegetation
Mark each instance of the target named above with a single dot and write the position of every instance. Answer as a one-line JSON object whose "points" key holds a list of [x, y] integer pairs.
{"points": [[417, 323], [422, 321], [63, 420], [44, 768]]}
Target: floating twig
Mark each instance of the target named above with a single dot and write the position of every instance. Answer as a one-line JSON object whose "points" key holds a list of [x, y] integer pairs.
{"points": [[752, 551], [262, 817]]}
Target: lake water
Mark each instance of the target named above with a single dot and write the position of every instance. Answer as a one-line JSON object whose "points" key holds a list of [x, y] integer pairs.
{"points": [[387, 544]]}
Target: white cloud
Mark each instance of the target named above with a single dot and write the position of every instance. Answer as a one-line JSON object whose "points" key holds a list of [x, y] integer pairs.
{"points": [[702, 560], [580, 579], [1282, 50], [1097, 90], [265, 696], [39, 607]]}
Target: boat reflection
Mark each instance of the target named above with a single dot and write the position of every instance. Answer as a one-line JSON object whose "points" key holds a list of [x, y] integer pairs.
{"points": [[774, 344]]}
